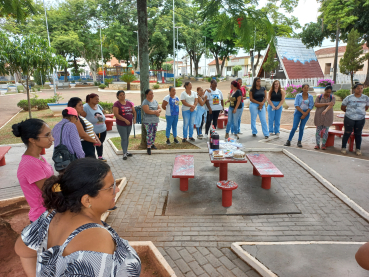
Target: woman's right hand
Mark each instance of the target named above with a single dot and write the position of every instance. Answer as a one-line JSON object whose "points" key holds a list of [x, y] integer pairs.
{"points": [[127, 121], [210, 111]]}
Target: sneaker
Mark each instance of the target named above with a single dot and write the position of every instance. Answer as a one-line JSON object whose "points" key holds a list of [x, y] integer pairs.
{"points": [[226, 136], [324, 147], [125, 157], [271, 134], [192, 139], [199, 137], [168, 142], [254, 135], [240, 133], [343, 151], [358, 152], [129, 154], [317, 147], [176, 140], [266, 137], [153, 147], [288, 143], [237, 136], [277, 134], [149, 151], [102, 159], [299, 143], [205, 136], [184, 140]]}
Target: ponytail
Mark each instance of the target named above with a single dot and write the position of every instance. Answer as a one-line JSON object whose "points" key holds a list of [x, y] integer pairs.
{"points": [[236, 84], [54, 200]]}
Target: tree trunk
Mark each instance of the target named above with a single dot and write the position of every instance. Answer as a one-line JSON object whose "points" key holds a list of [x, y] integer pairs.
{"points": [[366, 83], [336, 55], [223, 62], [143, 58], [129, 86], [217, 65], [257, 62], [28, 98], [352, 80], [66, 74], [190, 66]]}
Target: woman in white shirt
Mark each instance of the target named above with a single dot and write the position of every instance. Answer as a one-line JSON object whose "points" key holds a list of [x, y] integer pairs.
{"points": [[189, 103]]}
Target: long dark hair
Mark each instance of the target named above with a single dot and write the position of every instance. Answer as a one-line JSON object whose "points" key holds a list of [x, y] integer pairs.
{"points": [[81, 177], [29, 128], [253, 88], [73, 103]]}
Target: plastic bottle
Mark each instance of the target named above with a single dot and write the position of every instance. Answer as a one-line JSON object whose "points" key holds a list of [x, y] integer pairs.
{"points": [[215, 140]]}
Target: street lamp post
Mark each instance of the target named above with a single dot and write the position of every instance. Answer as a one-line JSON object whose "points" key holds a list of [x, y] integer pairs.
{"points": [[177, 47], [48, 37], [102, 57], [205, 56], [138, 51]]}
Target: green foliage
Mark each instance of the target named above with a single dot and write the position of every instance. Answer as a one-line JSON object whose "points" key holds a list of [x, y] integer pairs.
{"points": [[97, 83], [37, 76], [17, 9], [107, 106], [178, 83], [102, 86], [23, 104], [108, 81], [128, 77], [156, 86], [270, 65], [20, 88], [40, 104], [366, 91], [236, 69], [342, 93], [167, 66]]}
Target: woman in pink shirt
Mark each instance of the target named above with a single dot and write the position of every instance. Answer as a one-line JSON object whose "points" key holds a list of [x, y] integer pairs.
{"points": [[33, 169]]}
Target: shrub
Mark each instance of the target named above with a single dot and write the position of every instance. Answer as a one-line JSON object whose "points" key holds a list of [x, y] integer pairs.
{"points": [[23, 104], [342, 93], [102, 86], [108, 81], [128, 78], [107, 106], [366, 91], [97, 83], [156, 86], [20, 88], [209, 79], [292, 90], [178, 83], [325, 82], [42, 104]]}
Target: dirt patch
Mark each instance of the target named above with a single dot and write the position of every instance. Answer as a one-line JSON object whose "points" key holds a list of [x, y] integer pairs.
{"points": [[286, 126]]}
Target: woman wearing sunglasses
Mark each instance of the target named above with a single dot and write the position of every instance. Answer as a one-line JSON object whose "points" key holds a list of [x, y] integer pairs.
{"points": [[33, 169], [60, 240]]}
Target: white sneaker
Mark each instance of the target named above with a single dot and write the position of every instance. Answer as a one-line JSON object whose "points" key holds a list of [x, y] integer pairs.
{"points": [[358, 152], [271, 134], [206, 136], [343, 151]]}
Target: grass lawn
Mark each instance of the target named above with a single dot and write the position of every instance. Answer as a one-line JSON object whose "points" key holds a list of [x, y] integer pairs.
{"points": [[134, 143], [6, 134]]}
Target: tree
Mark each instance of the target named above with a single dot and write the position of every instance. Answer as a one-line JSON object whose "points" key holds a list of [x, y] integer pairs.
{"points": [[236, 69], [352, 60], [27, 54], [271, 64], [128, 78], [18, 9]]}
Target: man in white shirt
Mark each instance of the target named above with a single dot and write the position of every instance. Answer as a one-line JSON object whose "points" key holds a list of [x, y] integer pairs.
{"points": [[214, 104]]}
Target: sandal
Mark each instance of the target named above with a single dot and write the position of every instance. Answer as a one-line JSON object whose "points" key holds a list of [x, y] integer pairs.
{"points": [[324, 147], [317, 147]]}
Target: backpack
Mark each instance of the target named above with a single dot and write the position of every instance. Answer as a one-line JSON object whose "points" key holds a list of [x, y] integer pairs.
{"points": [[330, 97], [61, 156]]}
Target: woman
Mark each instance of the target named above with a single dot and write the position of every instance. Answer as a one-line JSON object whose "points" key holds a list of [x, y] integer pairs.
{"points": [[85, 129], [150, 120], [243, 90], [33, 169], [362, 256], [59, 242], [189, 103], [276, 98], [323, 118], [355, 107], [214, 104], [125, 115], [171, 113], [304, 103], [235, 109], [201, 112], [67, 131], [257, 107], [94, 113]]}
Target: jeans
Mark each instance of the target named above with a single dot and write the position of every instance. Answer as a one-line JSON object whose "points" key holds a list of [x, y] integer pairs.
{"points": [[188, 123], [254, 111], [233, 120], [89, 149], [209, 118], [124, 132], [355, 126], [238, 130], [199, 129], [150, 133], [296, 121], [172, 121], [99, 149], [274, 117]]}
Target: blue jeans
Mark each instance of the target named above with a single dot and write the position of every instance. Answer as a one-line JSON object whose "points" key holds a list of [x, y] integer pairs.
{"points": [[188, 122], [254, 111], [172, 121], [233, 120], [296, 121], [274, 117], [238, 130]]}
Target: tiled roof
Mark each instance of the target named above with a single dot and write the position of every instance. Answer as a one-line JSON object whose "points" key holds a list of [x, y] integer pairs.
{"points": [[298, 61], [213, 62], [331, 50]]}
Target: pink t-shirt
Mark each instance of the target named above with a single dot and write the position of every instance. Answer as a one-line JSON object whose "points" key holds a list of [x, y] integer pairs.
{"points": [[30, 171]]}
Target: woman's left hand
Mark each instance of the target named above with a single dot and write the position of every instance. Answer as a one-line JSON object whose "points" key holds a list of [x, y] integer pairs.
{"points": [[134, 121], [324, 112]]}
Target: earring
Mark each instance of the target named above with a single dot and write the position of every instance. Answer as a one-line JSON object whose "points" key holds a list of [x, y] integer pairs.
{"points": [[89, 206]]}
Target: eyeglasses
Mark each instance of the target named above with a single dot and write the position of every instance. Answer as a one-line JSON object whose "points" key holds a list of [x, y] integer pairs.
{"points": [[50, 136], [112, 186]]}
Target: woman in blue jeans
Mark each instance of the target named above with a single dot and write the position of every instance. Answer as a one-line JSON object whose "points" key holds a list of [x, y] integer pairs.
{"points": [[275, 100], [304, 103], [171, 107], [235, 109], [257, 107], [189, 103]]}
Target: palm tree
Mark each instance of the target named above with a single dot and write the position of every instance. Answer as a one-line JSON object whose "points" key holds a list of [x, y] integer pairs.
{"points": [[18, 9]]}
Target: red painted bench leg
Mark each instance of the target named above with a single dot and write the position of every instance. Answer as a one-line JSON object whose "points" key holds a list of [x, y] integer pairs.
{"points": [[215, 164], [226, 198], [339, 128], [266, 182], [2, 161], [43, 152], [255, 172], [220, 124], [183, 184], [351, 143], [223, 172], [109, 125], [330, 140]]}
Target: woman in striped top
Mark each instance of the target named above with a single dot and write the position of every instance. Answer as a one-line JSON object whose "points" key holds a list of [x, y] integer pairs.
{"points": [[85, 129]]}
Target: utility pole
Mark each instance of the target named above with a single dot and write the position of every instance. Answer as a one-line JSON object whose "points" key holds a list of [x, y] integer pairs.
{"points": [[336, 55], [205, 55], [174, 49], [102, 58], [177, 46], [252, 58], [48, 37], [138, 52]]}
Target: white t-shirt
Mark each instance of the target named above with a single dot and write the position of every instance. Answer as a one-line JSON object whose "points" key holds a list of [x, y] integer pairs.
{"points": [[172, 102], [215, 98], [190, 99]]}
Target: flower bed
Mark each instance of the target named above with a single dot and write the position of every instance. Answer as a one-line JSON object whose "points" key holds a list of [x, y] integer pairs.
{"points": [[325, 82], [292, 90]]}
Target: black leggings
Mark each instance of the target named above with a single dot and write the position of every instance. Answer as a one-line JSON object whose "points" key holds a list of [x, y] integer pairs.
{"points": [[211, 117], [99, 149], [89, 149], [355, 126]]}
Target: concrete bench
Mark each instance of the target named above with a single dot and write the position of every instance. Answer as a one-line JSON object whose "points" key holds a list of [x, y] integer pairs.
{"points": [[227, 187], [62, 85], [351, 141], [222, 121], [109, 123], [264, 168], [183, 169], [338, 126], [3, 151]]}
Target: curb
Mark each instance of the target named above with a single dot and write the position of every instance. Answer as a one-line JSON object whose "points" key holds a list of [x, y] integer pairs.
{"points": [[121, 187], [11, 118]]}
